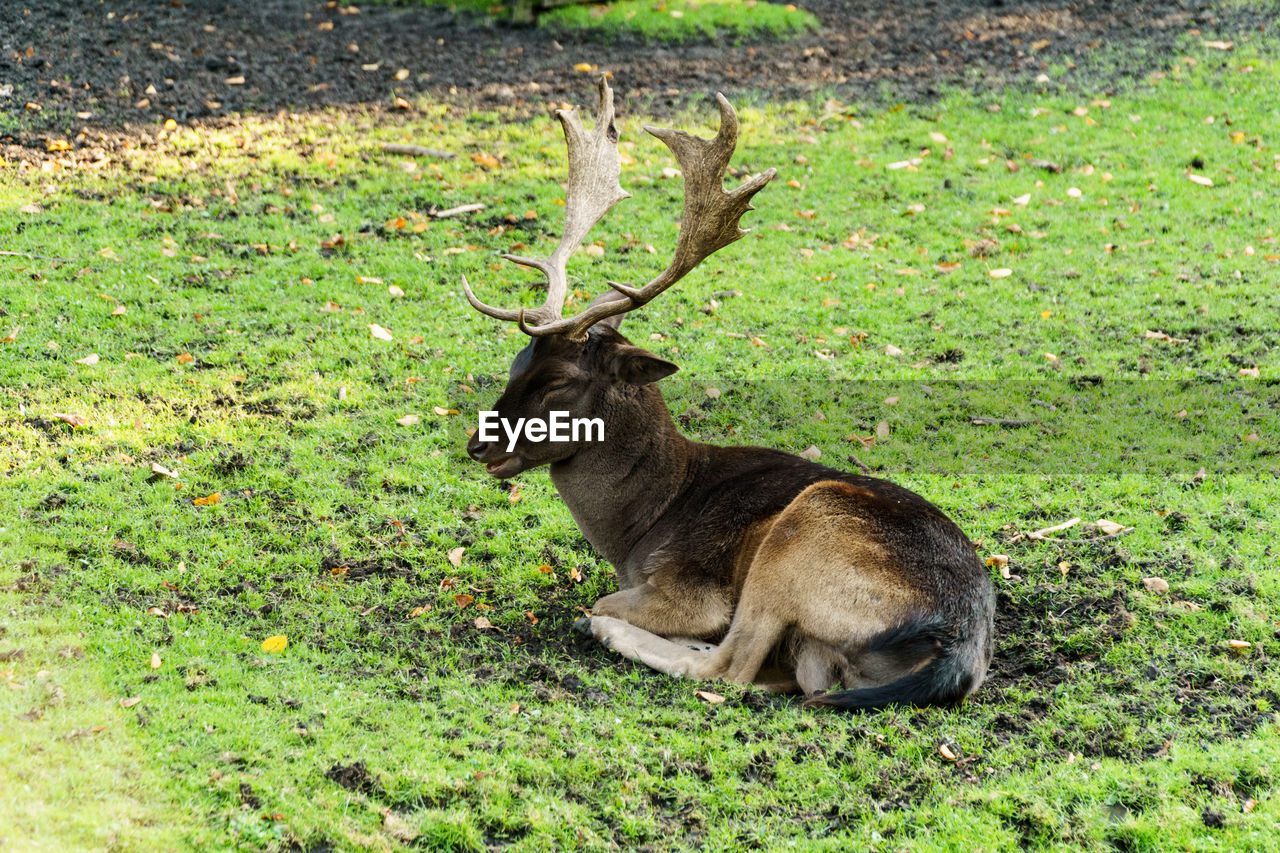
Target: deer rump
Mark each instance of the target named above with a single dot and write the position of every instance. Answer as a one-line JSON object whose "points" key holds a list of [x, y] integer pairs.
{"points": [[776, 571], [740, 563]]}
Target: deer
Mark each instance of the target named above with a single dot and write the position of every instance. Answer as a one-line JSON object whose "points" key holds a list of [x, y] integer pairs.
{"points": [[743, 564]]}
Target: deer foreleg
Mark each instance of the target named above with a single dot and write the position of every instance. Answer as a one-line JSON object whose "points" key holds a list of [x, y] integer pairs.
{"points": [[692, 659], [667, 610]]}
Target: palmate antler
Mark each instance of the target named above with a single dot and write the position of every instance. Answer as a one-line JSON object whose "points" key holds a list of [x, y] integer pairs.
{"points": [[709, 221]]}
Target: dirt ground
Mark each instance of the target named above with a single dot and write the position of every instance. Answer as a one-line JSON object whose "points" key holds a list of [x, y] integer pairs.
{"points": [[73, 65]]}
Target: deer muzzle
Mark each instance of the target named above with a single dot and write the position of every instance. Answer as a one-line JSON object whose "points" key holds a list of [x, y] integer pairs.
{"points": [[497, 463]]}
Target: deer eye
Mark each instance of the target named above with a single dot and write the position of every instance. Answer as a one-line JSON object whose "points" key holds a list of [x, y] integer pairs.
{"points": [[557, 385]]}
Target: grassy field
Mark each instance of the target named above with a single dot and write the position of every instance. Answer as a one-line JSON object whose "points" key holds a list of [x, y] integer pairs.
{"points": [[643, 21], [208, 456]]}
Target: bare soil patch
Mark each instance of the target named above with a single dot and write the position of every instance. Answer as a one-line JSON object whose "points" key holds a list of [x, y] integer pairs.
{"points": [[81, 71]]}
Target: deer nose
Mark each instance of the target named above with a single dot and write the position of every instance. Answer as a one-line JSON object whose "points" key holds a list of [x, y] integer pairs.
{"points": [[476, 449]]}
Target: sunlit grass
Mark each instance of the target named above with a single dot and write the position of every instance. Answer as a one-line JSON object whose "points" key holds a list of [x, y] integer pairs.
{"points": [[250, 262]]}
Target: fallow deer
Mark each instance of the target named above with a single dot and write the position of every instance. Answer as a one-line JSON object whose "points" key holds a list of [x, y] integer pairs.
{"points": [[740, 563]]}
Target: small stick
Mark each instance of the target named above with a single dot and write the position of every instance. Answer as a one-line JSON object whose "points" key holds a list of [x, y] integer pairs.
{"points": [[1040, 534], [866, 469], [32, 257], [417, 151], [1096, 539], [1007, 422], [457, 211]]}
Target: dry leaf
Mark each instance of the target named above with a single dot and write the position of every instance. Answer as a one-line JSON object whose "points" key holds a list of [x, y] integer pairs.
{"points": [[118, 311], [483, 623], [890, 349], [395, 291], [812, 453], [882, 430], [208, 500], [155, 660], [1163, 336], [379, 332], [947, 753], [74, 420], [275, 645], [443, 412], [1200, 179], [130, 702], [185, 358], [1239, 645], [998, 560], [1109, 527], [408, 420], [713, 393], [484, 158], [1156, 585], [1000, 272], [159, 470], [463, 600], [709, 697], [455, 556], [947, 266], [12, 336], [90, 359]]}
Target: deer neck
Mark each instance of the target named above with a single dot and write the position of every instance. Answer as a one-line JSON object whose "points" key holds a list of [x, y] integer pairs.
{"points": [[617, 489]]}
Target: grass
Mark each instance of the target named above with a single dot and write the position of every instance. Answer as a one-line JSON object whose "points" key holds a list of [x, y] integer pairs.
{"points": [[250, 262], [679, 21], [669, 21]]}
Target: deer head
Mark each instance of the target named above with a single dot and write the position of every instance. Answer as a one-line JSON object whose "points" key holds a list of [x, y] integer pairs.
{"points": [[582, 364]]}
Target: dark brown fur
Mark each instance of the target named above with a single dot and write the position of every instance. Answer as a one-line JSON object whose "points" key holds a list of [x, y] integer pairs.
{"points": [[802, 576]]}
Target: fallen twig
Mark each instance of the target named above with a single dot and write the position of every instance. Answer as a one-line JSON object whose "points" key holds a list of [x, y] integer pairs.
{"points": [[417, 151], [1092, 541], [1040, 534], [457, 211], [866, 469], [32, 257]]}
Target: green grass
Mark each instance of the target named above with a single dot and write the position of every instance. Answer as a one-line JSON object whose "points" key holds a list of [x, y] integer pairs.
{"points": [[1115, 718], [671, 21], [682, 20]]}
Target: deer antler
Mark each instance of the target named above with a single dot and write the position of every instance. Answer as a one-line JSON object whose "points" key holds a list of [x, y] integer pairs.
{"points": [[708, 223], [593, 190]]}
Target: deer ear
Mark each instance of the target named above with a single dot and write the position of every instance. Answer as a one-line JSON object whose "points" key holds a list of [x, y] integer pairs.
{"points": [[638, 366]]}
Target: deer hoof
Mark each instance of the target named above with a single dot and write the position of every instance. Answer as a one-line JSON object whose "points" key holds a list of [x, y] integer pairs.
{"points": [[583, 626]]}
